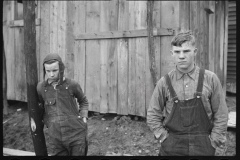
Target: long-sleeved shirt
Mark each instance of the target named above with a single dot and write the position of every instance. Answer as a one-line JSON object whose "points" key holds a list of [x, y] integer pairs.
{"points": [[185, 85]]}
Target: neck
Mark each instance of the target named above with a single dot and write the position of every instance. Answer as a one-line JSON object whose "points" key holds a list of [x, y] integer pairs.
{"points": [[186, 70]]}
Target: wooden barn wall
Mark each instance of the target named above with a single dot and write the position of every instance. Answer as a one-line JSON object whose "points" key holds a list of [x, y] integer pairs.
{"points": [[208, 21], [13, 34], [114, 72], [232, 30], [118, 78]]}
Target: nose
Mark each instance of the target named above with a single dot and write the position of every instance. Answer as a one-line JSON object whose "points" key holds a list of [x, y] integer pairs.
{"points": [[51, 74], [181, 55]]}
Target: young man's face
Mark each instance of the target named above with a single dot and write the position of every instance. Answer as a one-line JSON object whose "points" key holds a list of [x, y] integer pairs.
{"points": [[184, 56], [52, 71]]}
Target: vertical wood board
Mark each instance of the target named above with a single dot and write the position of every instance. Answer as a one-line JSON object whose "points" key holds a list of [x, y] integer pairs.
{"points": [[54, 27], [123, 59], [169, 19], [44, 41], [93, 56]]}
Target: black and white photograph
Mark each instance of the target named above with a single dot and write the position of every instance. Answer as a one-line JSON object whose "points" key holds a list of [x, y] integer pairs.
{"points": [[119, 78]]}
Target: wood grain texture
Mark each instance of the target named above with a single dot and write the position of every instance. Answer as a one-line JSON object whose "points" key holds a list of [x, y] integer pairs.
{"points": [[157, 40], [104, 26], [132, 62], [10, 59], [79, 46], [211, 49], [93, 57], [112, 64], [169, 19], [44, 41], [141, 51], [122, 59], [54, 26], [69, 23]]}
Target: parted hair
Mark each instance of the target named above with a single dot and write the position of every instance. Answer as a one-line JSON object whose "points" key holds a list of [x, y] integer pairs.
{"points": [[182, 37]]}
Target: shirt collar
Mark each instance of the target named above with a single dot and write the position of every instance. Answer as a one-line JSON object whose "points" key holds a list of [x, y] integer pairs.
{"points": [[191, 74]]}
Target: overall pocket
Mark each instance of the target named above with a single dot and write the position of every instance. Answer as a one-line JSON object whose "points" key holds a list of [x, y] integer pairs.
{"points": [[50, 105], [188, 114]]}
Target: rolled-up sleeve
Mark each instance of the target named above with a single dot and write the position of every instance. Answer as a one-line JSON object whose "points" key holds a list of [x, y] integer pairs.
{"points": [[155, 109], [220, 115]]}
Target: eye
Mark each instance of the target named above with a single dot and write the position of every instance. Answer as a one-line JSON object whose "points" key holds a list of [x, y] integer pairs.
{"points": [[186, 51]]}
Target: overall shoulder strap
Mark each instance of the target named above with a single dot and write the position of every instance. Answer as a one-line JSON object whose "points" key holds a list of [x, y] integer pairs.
{"points": [[172, 91], [200, 82]]}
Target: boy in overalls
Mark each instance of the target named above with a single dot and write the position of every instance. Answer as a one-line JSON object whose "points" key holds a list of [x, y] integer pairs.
{"points": [[66, 122], [187, 112]]}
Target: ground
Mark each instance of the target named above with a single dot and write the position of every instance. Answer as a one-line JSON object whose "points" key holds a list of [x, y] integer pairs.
{"points": [[108, 134]]}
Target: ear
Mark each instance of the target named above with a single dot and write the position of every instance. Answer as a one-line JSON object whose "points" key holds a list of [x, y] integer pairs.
{"points": [[171, 52], [195, 51]]}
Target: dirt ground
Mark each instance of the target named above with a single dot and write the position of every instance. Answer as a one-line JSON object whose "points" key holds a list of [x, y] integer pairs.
{"points": [[108, 134]]}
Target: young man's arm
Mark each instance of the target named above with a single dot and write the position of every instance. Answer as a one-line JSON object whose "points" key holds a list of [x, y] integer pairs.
{"points": [[81, 98], [155, 111], [220, 115]]}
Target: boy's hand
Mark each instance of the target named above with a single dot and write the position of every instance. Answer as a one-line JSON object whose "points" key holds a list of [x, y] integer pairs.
{"points": [[84, 119], [33, 125]]}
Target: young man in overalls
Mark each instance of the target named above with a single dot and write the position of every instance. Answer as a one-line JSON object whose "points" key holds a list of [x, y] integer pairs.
{"points": [[66, 122], [187, 112]]}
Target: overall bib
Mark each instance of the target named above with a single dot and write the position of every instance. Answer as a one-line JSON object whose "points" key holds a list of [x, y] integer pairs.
{"points": [[188, 125], [66, 129]]}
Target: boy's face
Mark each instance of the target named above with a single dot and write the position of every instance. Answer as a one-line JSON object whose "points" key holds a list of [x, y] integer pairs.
{"points": [[52, 71], [184, 56]]}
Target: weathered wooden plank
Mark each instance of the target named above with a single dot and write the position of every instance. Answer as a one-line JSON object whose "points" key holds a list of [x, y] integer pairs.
{"points": [[203, 36], [169, 19], [123, 59], [69, 37], [38, 38], [125, 34], [132, 61], [104, 26], [4, 68], [79, 46], [61, 32], [194, 25], [20, 68], [141, 75], [10, 58], [149, 81], [54, 27], [15, 152], [6, 39], [219, 41], [92, 56], [44, 34], [225, 47], [20, 22], [113, 58], [211, 49], [184, 13], [141, 51]]}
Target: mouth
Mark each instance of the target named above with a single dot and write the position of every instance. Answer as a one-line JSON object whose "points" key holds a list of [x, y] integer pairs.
{"points": [[182, 62]]}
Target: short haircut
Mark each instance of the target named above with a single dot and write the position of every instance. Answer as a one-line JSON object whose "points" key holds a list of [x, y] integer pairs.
{"points": [[182, 37], [51, 61]]}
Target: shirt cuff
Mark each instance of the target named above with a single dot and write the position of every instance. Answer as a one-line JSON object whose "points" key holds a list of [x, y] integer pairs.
{"points": [[84, 113]]}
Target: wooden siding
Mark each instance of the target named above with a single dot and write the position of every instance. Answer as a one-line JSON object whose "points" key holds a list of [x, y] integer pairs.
{"points": [[232, 29], [104, 46]]}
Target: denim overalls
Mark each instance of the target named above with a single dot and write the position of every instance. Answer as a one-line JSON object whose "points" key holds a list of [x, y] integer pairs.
{"points": [[66, 129], [188, 125]]}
